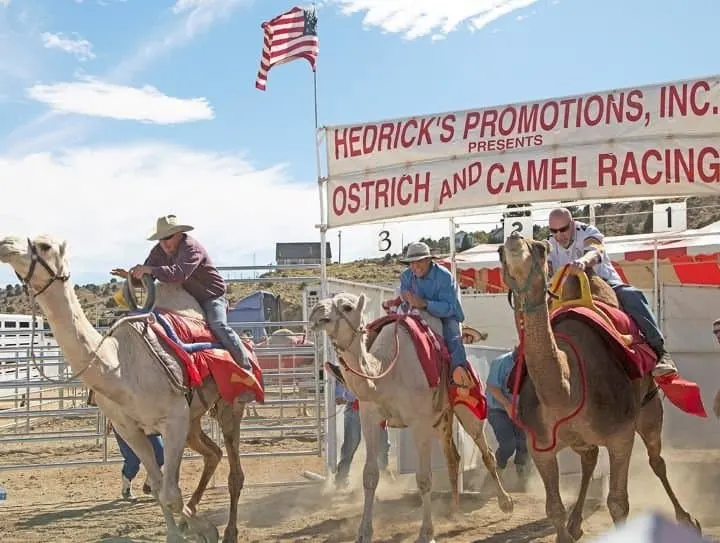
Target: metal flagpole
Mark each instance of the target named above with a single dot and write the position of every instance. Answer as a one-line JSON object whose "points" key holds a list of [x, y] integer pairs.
{"points": [[330, 421]]}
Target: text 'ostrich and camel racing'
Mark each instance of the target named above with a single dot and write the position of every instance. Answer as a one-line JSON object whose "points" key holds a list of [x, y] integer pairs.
{"points": [[658, 140]]}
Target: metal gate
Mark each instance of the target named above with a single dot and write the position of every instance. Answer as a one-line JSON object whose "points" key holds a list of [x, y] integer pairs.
{"points": [[35, 413]]}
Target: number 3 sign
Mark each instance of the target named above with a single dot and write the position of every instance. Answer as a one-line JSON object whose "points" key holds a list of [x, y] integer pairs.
{"points": [[384, 242]]}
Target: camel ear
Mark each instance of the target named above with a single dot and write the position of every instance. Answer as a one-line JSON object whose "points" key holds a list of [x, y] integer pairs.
{"points": [[361, 303], [63, 249], [501, 253]]}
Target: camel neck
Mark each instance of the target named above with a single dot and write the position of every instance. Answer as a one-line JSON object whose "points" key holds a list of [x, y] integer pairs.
{"points": [[546, 364], [359, 359], [75, 336]]}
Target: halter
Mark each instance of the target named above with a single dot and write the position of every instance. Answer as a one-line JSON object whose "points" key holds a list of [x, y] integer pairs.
{"points": [[519, 293], [361, 331], [36, 259]]}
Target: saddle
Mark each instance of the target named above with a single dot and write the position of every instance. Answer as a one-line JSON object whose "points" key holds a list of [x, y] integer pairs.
{"points": [[622, 336], [191, 342]]}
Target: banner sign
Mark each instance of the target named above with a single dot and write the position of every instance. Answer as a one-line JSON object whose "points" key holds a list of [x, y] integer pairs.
{"points": [[655, 141]]}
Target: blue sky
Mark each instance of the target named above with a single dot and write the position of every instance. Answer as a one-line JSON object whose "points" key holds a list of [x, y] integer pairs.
{"points": [[113, 112]]}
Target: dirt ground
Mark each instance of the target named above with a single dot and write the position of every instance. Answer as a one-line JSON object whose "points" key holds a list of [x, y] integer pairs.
{"points": [[81, 504]]}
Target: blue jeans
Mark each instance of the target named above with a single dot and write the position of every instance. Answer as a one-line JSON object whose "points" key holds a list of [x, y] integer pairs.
{"points": [[131, 465], [453, 340], [510, 437], [635, 304], [352, 434], [216, 316]]}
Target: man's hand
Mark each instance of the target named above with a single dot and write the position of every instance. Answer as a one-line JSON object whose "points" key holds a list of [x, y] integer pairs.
{"points": [[339, 401], [578, 266], [138, 271], [414, 300], [119, 272]]}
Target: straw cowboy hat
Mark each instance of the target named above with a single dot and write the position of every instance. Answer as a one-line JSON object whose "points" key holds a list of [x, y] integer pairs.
{"points": [[166, 226], [470, 335], [417, 251]]}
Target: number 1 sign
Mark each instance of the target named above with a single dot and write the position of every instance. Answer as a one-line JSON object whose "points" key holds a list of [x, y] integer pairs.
{"points": [[670, 217]]}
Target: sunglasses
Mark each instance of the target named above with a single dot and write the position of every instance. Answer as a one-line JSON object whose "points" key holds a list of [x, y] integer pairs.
{"points": [[561, 229]]}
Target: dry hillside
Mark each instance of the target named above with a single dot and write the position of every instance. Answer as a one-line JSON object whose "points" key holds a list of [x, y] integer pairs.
{"points": [[613, 219]]}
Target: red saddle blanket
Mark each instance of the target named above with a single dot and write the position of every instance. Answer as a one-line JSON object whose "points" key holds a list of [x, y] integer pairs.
{"points": [[434, 357], [230, 378], [638, 359]]}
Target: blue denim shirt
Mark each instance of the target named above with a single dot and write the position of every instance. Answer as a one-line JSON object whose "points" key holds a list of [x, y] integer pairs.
{"points": [[498, 376], [438, 288], [342, 392]]}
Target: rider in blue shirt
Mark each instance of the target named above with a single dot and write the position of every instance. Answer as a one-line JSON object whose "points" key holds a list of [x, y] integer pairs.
{"points": [[426, 285]]}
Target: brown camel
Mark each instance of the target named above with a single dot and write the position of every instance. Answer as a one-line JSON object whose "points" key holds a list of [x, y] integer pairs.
{"points": [[615, 407]]}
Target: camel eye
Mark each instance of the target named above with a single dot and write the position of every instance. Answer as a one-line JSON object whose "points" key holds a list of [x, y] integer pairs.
{"points": [[347, 308], [45, 247]]}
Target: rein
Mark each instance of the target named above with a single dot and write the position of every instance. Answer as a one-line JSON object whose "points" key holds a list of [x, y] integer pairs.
{"points": [[362, 331], [522, 307], [35, 259]]}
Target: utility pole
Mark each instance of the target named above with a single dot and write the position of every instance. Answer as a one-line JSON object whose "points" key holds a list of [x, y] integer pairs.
{"points": [[339, 246]]}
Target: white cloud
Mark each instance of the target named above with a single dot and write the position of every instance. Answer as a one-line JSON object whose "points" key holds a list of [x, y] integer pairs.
{"points": [[101, 99], [4, 3], [78, 46], [418, 18], [104, 201]]}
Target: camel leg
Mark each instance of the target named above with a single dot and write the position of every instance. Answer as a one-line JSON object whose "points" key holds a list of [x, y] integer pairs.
{"points": [[476, 430], [619, 451], [547, 466], [452, 457], [370, 423], [174, 438], [201, 443], [649, 426], [423, 445], [230, 417], [141, 446], [588, 461]]}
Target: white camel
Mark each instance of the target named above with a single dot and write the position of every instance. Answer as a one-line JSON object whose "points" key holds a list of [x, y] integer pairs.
{"points": [[401, 395], [139, 391]]}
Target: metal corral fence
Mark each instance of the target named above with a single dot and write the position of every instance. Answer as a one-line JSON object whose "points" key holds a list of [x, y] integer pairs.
{"points": [[47, 425]]}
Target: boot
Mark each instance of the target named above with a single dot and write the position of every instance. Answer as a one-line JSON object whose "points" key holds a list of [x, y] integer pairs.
{"points": [[126, 489], [665, 365], [461, 377]]}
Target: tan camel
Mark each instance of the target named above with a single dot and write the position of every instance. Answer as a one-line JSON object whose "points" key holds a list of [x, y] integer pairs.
{"points": [[615, 407], [133, 388], [401, 395]]}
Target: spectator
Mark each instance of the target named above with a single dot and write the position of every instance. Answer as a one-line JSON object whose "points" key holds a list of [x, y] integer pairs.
{"points": [[510, 437], [131, 463], [351, 436]]}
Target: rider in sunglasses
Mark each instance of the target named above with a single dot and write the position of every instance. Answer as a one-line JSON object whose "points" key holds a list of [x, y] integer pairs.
{"points": [[581, 245]]}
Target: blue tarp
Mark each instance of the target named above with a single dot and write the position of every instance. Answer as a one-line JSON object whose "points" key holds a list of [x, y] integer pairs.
{"points": [[260, 306]]}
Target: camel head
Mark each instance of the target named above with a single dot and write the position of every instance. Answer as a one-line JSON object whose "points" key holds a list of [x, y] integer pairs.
{"points": [[37, 262], [525, 271], [340, 316]]}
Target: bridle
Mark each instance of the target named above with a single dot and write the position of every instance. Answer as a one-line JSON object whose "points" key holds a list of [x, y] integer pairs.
{"points": [[518, 294], [359, 330], [35, 259]]}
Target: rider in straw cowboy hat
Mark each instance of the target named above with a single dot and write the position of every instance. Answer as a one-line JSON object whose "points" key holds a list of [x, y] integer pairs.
{"points": [[180, 258], [426, 285]]}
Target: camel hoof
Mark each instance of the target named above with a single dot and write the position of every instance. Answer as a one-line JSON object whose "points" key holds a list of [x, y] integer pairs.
{"points": [[506, 504], [202, 531], [576, 532]]}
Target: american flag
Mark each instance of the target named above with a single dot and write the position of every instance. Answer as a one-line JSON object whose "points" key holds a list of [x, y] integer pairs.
{"points": [[288, 36]]}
